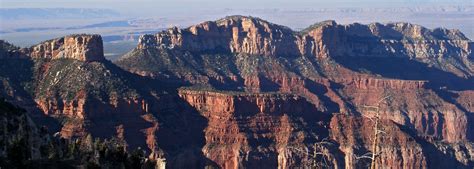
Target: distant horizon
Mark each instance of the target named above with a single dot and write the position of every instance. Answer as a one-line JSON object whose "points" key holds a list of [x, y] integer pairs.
{"points": [[174, 12], [161, 6], [26, 27]]}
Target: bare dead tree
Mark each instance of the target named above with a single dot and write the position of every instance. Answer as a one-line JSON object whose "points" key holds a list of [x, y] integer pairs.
{"points": [[373, 156], [317, 152]]}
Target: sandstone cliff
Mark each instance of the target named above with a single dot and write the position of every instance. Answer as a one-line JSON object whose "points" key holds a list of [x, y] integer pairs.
{"points": [[241, 92], [337, 69], [79, 47], [240, 34], [69, 80], [253, 36], [282, 131], [232, 34], [239, 123]]}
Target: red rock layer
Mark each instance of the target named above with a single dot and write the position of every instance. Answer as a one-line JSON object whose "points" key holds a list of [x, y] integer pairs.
{"points": [[238, 124], [415, 107], [356, 135], [283, 111]]}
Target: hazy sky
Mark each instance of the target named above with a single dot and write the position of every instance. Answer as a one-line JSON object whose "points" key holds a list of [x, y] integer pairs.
{"points": [[188, 12], [137, 6]]}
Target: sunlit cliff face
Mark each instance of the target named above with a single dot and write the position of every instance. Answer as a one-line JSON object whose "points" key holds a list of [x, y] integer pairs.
{"points": [[241, 92]]}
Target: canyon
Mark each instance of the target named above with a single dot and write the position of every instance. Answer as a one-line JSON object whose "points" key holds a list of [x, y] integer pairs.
{"points": [[241, 92]]}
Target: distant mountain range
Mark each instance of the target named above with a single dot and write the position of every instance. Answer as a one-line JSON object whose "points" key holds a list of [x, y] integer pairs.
{"points": [[55, 13]]}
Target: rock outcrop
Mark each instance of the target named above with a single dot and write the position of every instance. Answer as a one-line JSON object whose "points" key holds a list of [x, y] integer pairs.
{"points": [[337, 69], [241, 92], [27, 145], [389, 40], [79, 47], [253, 36], [398, 148], [240, 34], [233, 34], [238, 123], [379, 83]]}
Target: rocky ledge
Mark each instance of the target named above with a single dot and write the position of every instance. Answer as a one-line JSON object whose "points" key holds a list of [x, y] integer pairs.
{"points": [[254, 36], [80, 47]]}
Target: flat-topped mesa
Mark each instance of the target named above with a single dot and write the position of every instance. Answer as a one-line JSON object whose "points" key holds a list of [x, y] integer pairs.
{"points": [[236, 34], [240, 34], [408, 31], [80, 47], [385, 40]]}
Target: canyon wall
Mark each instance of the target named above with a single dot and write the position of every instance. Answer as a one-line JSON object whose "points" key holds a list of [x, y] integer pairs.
{"points": [[79, 47], [238, 34], [233, 34], [282, 131], [390, 40], [241, 92], [243, 127]]}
